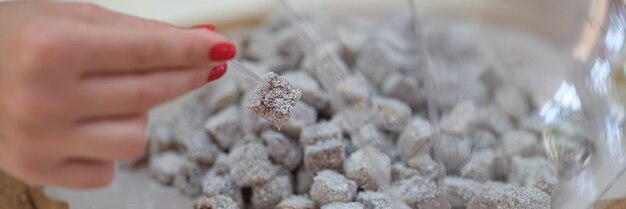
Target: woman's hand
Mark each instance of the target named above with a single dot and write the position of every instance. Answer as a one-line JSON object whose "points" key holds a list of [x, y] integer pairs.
{"points": [[76, 82]]}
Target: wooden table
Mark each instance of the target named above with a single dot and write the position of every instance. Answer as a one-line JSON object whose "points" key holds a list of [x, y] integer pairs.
{"points": [[17, 195]]}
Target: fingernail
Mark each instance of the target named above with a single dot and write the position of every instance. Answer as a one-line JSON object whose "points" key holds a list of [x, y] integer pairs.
{"points": [[207, 27], [223, 52], [217, 72]]}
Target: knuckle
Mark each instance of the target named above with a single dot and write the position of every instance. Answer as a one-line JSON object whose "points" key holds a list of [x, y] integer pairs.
{"points": [[25, 106], [38, 47]]}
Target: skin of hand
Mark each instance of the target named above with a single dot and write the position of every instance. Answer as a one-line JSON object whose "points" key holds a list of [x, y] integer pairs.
{"points": [[77, 81]]}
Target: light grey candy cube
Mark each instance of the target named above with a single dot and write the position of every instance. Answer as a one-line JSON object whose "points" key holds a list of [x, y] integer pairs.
{"points": [[373, 200], [480, 166], [325, 155], [367, 167], [391, 114], [535, 172], [330, 186], [343, 205], [164, 167], [499, 195], [400, 171], [404, 88], [377, 60], [225, 127], [216, 202], [312, 93], [303, 115], [282, 150], [416, 138], [520, 142], [418, 192], [268, 195], [189, 180], [512, 101], [296, 202], [452, 151], [463, 117], [461, 191], [319, 132], [213, 185]]}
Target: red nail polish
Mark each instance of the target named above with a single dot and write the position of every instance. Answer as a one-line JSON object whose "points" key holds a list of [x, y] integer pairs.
{"points": [[222, 52], [217, 72], [207, 27]]}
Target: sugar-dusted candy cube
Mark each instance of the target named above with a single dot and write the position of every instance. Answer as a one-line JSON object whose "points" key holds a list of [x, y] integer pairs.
{"points": [[483, 139], [296, 202], [519, 142], [535, 172], [200, 149], [312, 93], [324, 155], [532, 122], [221, 166], [496, 120], [282, 150], [368, 134], [404, 88], [213, 185], [368, 166], [327, 66], [216, 202], [400, 171], [418, 192], [275, 99], [499, 195], [426, 166], [189, 180], [225, 127], [227, 94], [303, 115], [330, 186], [512, 101], [461, 191], [353, 90], [480, 166], [164, 167], [351, 119], [319, 132], [250, 165], [373, 200], [391, 114], [453, 152], [343, 205], [461, 119], [377, 60], [268, 195], [416, 138]]}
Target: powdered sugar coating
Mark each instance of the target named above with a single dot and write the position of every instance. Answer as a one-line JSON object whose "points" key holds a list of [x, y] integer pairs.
{"points": [[275, 100], [330, 186]]}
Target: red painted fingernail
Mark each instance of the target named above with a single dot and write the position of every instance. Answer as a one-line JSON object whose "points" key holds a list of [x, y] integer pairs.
{"points": [[207, 27], [217, 72], [222, 52]]}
